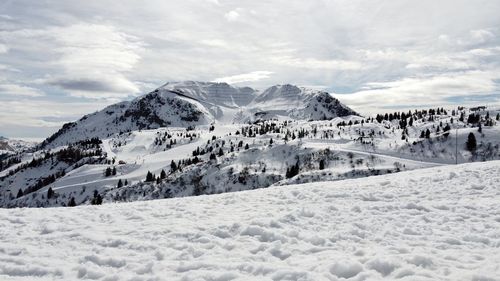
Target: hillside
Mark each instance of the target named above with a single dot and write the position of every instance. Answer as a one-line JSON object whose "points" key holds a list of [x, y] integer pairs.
{"points": [[430, 224], [176, 162]]}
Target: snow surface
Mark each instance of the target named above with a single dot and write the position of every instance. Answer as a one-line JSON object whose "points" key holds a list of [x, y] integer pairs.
{"points": [[440, 223]]}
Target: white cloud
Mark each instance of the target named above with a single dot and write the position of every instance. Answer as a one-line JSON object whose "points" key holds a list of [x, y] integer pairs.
{"points": [[216, 2], [481, 36], [247, 77], [6, 17], [38, 113], [313, 63], [19, 91], [217, 43], [232, 15], [422, 91], [101, 87], [3, 49], [90, 60]]}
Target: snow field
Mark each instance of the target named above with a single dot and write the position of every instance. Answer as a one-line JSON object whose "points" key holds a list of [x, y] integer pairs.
{"points": [[441, 223]]}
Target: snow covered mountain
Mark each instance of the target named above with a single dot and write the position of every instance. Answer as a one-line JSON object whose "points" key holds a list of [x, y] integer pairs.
{"points": [[430, 224], [184, 104], [13, 146], [195, 138]]}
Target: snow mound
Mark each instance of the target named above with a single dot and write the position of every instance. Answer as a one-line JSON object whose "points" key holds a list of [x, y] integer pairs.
{"points": [[319, 231]]}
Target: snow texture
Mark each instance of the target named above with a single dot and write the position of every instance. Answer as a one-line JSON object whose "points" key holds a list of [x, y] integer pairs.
{"points": [[440, 223]]}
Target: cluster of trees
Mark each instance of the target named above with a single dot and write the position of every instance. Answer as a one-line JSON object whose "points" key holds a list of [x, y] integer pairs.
{"points": [[350, 123], [440, 128], [110, 171], [9, 162], [40, 183], [410, 116], [169, 139], [75, 154], [97, 199], [90, 143], [121, 183], [261, 128], [473, 118], [150, 177], [174, 166]]}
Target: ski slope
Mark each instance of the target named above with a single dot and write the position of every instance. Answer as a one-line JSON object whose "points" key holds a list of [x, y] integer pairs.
{"points": [[440, 223]]}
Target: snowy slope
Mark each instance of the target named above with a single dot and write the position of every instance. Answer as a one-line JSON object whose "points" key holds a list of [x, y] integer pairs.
{"points": [[441, 223]]}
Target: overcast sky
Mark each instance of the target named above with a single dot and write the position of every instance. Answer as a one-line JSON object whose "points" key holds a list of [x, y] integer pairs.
{"points": [[60, 59]]}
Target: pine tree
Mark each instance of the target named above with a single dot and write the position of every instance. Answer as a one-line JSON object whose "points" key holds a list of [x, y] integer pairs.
{"points": [[163, 175], [212, 156], [107, 172], [72, 202], [113, 172], [221, 152], [19, 193], [292, 171], [50, 193], [446, 130], [471, 142], [149, 177], [97, 200], [120, 183], [321, 164], [246, 146], [173, 166], [427, 134]]}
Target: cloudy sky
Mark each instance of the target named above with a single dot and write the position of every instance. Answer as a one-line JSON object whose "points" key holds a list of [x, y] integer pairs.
{"points": [[60, 59]]}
